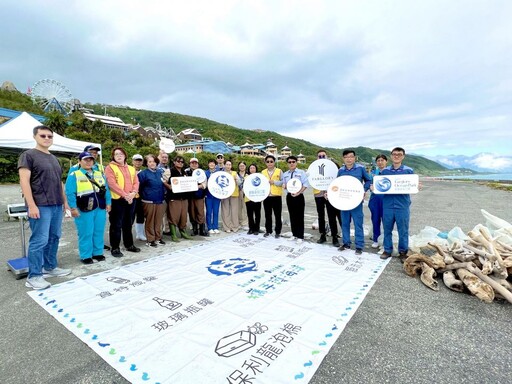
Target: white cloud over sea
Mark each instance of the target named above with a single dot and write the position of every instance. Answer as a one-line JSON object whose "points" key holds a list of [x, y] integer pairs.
{"points": [[432, 76]]}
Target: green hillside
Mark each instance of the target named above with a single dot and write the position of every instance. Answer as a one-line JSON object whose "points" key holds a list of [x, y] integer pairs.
{"points": [[217, 131]]}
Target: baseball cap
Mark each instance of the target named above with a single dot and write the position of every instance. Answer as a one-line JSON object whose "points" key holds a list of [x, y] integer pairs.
{"points": [[194, 159], [93, 147], [219, 155], [137, 156], [85, 155]]}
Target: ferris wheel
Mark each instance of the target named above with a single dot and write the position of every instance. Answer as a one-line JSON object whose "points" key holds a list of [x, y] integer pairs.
{"points": [[52, 95]]}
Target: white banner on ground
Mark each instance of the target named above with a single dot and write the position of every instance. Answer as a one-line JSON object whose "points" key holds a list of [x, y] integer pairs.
{"points": [[184, 184], [395, 184], [241, 309]]}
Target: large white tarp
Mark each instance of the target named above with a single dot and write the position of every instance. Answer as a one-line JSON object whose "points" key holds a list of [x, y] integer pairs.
{"points": [[242, 309], [16, 134]]}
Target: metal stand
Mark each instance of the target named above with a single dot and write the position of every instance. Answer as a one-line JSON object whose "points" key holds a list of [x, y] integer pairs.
{"points": [[19, 266]]}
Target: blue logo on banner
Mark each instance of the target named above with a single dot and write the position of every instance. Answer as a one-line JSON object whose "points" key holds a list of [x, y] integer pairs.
{"points": [[230, 267], [383, 185], [256, 181], [222, 181]]}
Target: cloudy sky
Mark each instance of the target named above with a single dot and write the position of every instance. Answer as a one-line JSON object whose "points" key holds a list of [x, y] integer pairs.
{"points": [[432, 76]]}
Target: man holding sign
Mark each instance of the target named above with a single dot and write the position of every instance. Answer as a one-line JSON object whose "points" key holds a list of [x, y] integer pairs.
{"points": [[356, 214], [396, 208], [295, 182]]}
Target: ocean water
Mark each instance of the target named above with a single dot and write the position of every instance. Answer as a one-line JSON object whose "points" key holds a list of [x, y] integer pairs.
{"points": [[490, 177]]}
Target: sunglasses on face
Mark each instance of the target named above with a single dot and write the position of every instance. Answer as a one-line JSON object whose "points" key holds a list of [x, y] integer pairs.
{"points": [[46, 136], [322, 156], [292, 162], [269, 161], [179, 161]]}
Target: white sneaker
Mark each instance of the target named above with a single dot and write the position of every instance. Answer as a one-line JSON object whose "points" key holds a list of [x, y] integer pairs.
{"points": [[227, 230], [375, 245], [216, 231], [299, 241], [37, 282], [211, 231], [55, 272], [293, 238]]}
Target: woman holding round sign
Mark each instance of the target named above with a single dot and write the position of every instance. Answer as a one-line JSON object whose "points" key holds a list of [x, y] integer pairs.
{"points": [[295, 182], [229, 205], [256, 188], [196, 212]]}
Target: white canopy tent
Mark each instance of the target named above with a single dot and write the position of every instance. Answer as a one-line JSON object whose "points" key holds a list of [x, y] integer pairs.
{"points": [[16, 135]]}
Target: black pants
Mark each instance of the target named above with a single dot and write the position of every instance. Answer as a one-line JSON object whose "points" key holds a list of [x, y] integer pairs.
{"points": [[254, 215], [121, 219], [275, 204], [332, 213], [296, 206], [139, 211]]}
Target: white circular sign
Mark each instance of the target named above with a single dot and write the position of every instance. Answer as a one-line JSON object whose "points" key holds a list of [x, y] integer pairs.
{"points": [[167, 145], [256, 187], [293, 185], [199, 175], [321, 173], [345, 193], [221, 184]]}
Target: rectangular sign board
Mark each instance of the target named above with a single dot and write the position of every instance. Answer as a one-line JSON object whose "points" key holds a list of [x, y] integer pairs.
{"points": [[183, 184], [395, 184]]}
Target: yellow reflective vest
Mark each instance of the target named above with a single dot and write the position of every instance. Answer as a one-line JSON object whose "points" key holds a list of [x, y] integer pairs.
{"points": [[120, 178]]}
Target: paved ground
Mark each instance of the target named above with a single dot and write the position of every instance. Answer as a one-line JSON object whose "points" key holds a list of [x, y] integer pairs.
{"points": [[402, 333]]}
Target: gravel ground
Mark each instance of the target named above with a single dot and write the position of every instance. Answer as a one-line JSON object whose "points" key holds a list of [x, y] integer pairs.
{"points": [[402, 332]]}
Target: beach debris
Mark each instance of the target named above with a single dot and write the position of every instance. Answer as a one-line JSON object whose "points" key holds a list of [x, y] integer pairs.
{"points": [[479, 262]]}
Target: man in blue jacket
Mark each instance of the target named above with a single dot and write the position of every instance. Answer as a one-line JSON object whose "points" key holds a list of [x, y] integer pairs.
{"points": [[396, 209], [356, 214]]}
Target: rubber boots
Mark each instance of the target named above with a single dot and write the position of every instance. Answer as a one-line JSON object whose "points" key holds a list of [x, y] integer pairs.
{"points": [[139, 230], [174, 235], [203, 231], [184, 234]]}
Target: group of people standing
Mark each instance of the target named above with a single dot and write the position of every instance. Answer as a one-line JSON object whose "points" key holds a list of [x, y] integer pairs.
{"points": [[145, 196]]}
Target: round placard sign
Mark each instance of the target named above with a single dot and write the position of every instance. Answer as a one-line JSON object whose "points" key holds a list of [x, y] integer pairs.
{"points": [[221, 184], [293, 185], [199, 175], [321, 173], [256, 187], [166, 145], [345, 193]]}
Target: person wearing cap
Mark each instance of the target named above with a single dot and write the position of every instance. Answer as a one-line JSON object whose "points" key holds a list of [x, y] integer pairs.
{"points": [[137, 161], [273, 202], [196, 207], [295, 200], [229, 206], [89, 199], [220, 162], [40, 180], [94, 151], [212, 203], [124, 186], [163, 163]]}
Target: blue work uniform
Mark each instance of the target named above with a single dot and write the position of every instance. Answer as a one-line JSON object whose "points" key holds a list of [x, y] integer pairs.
{"points": [[376, 209], [396, 209], [90, 224], [356, 214]]}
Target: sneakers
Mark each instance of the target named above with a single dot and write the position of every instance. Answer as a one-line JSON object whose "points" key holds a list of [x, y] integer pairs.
{"points": [[293, 238], [87, 261], [299, 241], [211, 231], [250, 232], [375, 245], [359, 251], [151, 244], [322, 239], [266, 234], [117, 253], [256, 233], [55, 272], [133, 248], [161, 242], [278, 235], [228, 231], [37, 282], [344, 247], [99, 258], [385, 255], [216, 231], [335, 242]]}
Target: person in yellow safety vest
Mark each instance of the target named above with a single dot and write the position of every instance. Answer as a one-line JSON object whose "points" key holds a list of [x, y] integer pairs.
{"points": [[124, 186], [89, 199]]}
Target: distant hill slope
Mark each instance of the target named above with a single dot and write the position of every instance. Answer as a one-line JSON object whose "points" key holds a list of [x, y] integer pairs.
{"points": [[237, 136]]}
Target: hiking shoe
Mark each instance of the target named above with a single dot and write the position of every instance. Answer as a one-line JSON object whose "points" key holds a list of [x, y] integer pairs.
{"points": [[161, 242], [133, 248], [117, 253], [375, 245], [402, 256], [55, 272], [385, 255], [344, 247], [359, 251], [99, 258], [37, 282], [151, 244], [89, 260]]}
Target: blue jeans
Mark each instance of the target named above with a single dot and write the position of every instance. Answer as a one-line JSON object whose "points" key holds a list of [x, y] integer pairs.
{"points": [[355, 215], [401, 218], [212, 212], [44, 240]]}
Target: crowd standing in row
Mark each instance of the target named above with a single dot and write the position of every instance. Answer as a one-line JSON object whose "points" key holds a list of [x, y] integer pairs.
{"points": [[131, 194]]}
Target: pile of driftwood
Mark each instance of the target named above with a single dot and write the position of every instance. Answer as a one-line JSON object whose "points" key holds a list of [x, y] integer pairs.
{"points": [[482, 264]]}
